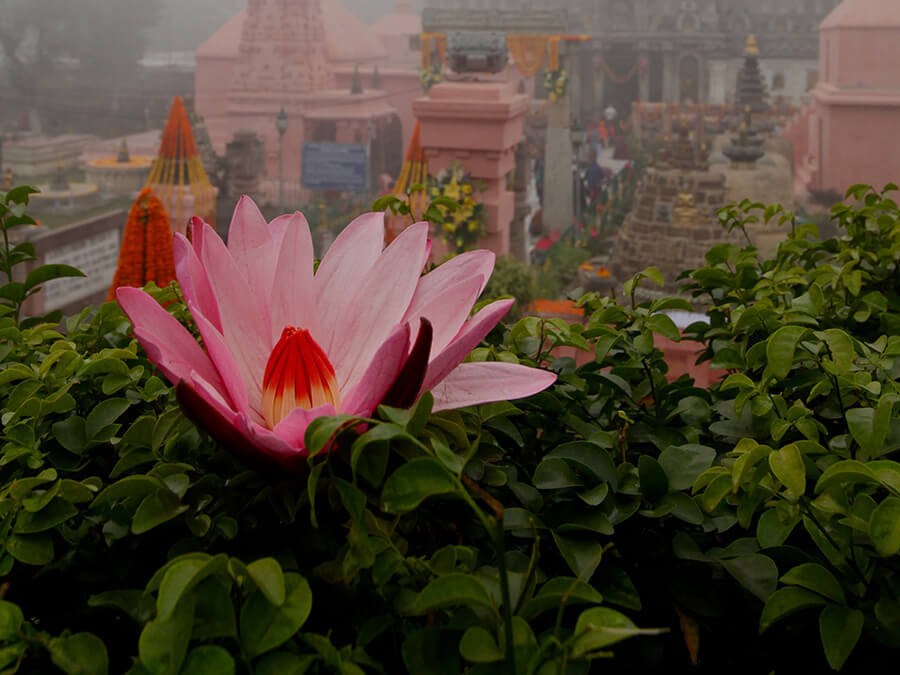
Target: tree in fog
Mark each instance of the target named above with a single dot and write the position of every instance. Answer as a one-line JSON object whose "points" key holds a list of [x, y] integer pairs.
{"points": [[95, 38]]}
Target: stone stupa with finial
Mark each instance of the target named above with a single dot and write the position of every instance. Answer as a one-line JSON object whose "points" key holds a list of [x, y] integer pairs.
{"points": [[751, 90], [746, 146]]}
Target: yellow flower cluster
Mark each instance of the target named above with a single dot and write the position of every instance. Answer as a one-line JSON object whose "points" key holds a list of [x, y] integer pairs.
{"points": [[464, 223], [556, 83]]}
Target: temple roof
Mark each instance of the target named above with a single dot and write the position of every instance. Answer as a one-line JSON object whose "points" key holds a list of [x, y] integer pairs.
{"points": [[864, 14], [347, 38]]}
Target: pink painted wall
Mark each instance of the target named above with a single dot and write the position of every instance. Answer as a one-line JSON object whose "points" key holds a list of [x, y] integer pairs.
{"points": [[477, 124]]}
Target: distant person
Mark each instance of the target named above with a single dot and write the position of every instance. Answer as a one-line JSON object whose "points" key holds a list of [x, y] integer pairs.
{"points": [[603, 134], [610, 115]]}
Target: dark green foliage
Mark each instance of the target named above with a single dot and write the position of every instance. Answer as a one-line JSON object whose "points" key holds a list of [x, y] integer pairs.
{"points": [[617, 515]]}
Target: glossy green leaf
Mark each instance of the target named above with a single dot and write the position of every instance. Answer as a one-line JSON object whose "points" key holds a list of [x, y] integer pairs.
{"points": [[600, 627], [757, 573], [164, 644], [841, 347], [156, 509], [11, 620], [414, 482], [265, 626], [45, 273], [814, 577], [452, 590], [840, 629], [208, 660], [787, 465], [654, 483], [780, 349], [558, 589], [285, 663], [80, 654], [683, 464], [31, 549], [268, 577], [104, 413], [786, 601], [554, 473], [884, 527], [478, 646], [181, 577]]}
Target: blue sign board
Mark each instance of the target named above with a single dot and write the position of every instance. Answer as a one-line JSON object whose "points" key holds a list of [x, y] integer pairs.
{"points": [[335, 166]]}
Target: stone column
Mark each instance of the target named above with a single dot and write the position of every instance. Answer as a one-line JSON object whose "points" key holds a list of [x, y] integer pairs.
{"points": [[558, 210], [670, 77], [479, 125], [518, 241]]}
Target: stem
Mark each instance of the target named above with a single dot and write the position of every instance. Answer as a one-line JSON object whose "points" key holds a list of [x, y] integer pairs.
{"points": [[649, 372], [840, 398], [495, 531]]}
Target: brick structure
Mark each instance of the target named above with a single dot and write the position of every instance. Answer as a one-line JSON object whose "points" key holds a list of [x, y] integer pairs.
{"points": [[674, 221]]}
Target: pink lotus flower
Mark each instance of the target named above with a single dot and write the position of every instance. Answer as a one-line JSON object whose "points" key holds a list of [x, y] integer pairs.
{"points": [[283, 346]]}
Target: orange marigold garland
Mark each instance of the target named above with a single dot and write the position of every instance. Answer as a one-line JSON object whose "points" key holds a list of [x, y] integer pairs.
{"points": [[146, 253]]}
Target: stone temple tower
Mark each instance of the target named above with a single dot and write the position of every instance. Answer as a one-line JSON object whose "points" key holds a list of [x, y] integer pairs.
{"points": [[282, 50]]}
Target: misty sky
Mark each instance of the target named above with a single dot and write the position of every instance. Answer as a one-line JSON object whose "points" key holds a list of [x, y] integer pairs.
{"points": [[187, 23]]}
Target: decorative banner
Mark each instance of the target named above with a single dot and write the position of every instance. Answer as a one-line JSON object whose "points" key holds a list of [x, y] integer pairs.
{"points": [[528, 52], [440, 42], [553, 60]]}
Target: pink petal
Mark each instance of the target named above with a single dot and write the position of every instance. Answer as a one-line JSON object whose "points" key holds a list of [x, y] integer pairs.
{"points": [[378, 305], [293, 298], [168, 344], [246, 325], [471, 335], [476, 383], [248, 229], [380, 375], [198, 232], [254, 245], [193, 279], [471, 264], [267, 442], [293, 427], [447, 309], [342, 270], [223, 360]]}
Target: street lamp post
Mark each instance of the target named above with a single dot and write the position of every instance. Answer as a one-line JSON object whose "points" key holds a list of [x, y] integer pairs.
{"points": [[281, 123]]}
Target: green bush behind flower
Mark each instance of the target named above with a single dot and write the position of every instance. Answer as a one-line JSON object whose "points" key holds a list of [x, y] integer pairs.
{"points": [[750, 526]]}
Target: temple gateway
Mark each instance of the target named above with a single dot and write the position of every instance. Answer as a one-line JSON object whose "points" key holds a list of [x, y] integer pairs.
{"points": [[676, 51]]}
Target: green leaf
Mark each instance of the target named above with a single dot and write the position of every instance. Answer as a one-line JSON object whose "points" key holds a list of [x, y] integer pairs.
{"points": [[31, 549], [11, 620], [841, 347], [322, 431], [155, 510], [553, 474], [414, 482], [183, 576], [214, 615], [478, 646], [846, 471], [756, 572], [654, 483], [587, 457], [70, 433], [104, 413], [80, 654], [452, 590], [582, 555], [772, 530], [787, 465], [552, 593], [45, 273], [268, 577], [265, 626], [208, 660], [840, 629], [433, 651], [285, 663], [780, 349], [814, 577], [869, 426], [663, 324], [884, 527], [683, 464], [164, 644], [55, 513], [137, 604], [601, 627], [786, 601]]}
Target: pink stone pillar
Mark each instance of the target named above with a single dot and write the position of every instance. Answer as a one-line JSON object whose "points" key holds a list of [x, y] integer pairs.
{"points": [[477, 124]]}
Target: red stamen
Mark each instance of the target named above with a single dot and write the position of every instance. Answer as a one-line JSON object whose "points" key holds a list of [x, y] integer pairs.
{"points": [[298, 375]]}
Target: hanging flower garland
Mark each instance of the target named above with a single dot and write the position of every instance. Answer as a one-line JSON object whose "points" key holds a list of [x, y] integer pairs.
{"points": [[463, 223], [430, 76], [556, 82]]}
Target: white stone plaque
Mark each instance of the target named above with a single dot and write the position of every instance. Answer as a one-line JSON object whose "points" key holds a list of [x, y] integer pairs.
{"points": [[96, 256]]}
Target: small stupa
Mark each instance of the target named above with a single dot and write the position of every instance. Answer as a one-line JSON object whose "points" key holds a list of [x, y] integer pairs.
{"points": [[124, 156], [751, 90], [746, 146], [178, 177], [674, 221]]}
